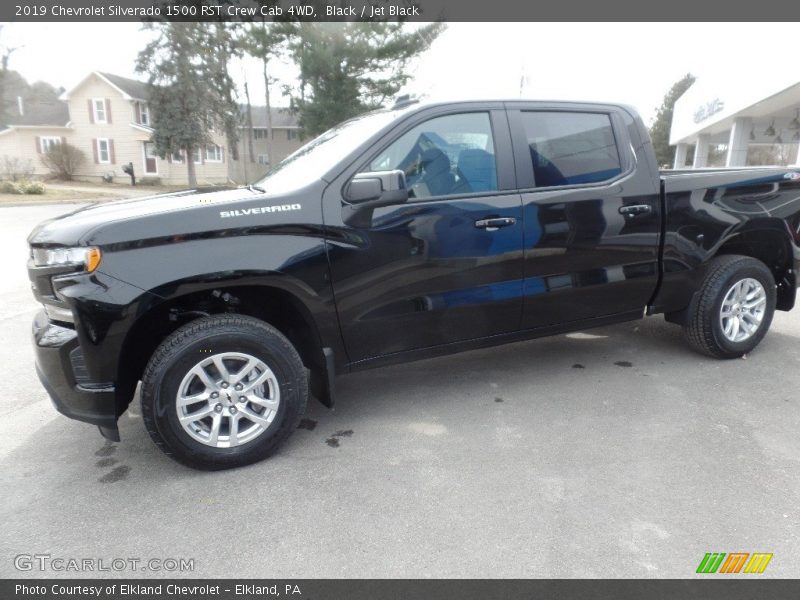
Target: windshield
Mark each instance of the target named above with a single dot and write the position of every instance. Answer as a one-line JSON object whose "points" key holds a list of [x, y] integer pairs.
{"points": [[323, 152]]}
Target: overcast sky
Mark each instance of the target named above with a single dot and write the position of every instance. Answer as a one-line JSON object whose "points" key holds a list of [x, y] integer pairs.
{"points": [[634, 63]]}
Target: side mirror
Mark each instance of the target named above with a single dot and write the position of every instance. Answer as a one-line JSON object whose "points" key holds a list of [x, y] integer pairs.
{"points": [[380, 188], [368, 191]]}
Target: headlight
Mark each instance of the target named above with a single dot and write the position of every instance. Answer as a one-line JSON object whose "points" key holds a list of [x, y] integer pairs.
{"points": [[51, 257]]}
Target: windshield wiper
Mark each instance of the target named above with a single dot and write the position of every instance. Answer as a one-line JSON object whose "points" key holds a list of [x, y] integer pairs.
{"points": [[255, 188]]}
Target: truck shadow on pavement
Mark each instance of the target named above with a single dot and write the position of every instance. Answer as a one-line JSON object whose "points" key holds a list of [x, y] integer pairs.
{"points": [[414, 392]]}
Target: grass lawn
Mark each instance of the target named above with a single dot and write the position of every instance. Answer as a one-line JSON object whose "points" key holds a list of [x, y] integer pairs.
{"points": [[52, 196], [81, 191]]}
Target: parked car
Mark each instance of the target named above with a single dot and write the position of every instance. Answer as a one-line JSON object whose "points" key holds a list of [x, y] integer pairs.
{"points": [[402, 234]]}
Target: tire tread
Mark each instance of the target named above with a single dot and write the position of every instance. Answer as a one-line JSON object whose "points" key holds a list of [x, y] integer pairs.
{"points": [[173, 345], [699, 330]]}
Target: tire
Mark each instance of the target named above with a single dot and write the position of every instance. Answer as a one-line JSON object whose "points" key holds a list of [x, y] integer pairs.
{"points": [[709, 331], [174, 388]]}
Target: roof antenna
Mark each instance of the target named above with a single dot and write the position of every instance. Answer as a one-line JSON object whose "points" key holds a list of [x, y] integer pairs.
{"points": [[523, 78]]}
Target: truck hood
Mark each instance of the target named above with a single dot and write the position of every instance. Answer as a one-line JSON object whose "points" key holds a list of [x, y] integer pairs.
{"points": [[178, 213]]}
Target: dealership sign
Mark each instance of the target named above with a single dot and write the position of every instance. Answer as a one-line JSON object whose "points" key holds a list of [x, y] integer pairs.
{"points": [[708, 109]]}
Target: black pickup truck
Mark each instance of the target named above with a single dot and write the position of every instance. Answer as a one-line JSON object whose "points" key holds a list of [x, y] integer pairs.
{"points": [[421, 230]]}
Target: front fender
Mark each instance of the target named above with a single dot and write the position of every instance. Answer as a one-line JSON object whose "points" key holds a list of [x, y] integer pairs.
{"points": [[268, 257]]}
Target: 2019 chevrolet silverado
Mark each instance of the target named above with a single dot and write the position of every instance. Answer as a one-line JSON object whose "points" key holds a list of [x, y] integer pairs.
{"points": [[421, 230]]}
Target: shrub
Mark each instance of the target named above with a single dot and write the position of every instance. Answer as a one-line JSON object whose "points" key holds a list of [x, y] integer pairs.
{"points": [[9, 187], [22, 187], [63, 160], [13, 169], [32, 187]]}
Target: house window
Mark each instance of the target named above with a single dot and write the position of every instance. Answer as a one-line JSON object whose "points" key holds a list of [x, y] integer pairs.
{"points": [[49, 142], [144, 114], [103, 151], [291, 134], [213, 153], [263, 159], [197, 157], [177, 156], [150, 159], [259, 134], [99, 107]]}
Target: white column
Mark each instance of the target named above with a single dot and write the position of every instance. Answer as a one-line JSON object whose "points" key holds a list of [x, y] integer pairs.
{"points": [[701, 151], [737, 143], [680, 156]]}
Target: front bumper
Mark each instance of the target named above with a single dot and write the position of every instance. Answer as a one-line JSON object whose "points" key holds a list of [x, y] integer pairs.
{"points": [[58, 365]]}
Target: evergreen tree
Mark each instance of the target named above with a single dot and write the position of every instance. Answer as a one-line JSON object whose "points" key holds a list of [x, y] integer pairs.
{"points": [[190, 91], [659, 130], [13, 86], [349, 68]]}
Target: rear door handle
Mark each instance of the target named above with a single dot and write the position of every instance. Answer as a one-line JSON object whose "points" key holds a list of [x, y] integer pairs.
{"points": [[635, 210], [495, 223]]}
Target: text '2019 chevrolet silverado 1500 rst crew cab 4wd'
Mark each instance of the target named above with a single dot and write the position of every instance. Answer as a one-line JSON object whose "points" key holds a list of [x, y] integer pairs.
{"points": [[402, 234]]}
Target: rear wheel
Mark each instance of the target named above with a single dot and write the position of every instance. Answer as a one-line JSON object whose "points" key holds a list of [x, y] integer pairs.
{"points": [[733, 310], [223, 391]]}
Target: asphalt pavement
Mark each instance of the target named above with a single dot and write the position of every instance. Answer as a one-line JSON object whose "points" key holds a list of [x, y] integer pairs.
{"points": [[616, 452]]}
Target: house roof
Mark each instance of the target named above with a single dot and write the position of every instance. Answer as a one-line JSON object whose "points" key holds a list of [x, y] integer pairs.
{"points": [[132, 87], [38, 114], [57, 114], [281, 117]]}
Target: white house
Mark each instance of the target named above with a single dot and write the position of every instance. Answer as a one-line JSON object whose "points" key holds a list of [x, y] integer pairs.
{"points": [[109, 119], [752, 120]]}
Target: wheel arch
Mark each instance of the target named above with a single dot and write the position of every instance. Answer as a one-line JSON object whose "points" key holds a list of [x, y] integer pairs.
{"points": [[270, 301], [770, 243]]}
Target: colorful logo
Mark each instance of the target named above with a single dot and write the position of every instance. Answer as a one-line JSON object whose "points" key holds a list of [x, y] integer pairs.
{"points": [[734, 562]]}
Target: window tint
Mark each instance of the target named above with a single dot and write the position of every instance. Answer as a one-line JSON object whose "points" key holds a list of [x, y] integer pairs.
{"points": [[453, 154], [570, 148]]}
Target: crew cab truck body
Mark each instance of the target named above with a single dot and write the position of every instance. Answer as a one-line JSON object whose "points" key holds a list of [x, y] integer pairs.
{"points": [[407, 233]]}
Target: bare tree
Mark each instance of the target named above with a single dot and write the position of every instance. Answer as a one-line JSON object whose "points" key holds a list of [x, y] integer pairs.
{"points": [[5, 57], [63, 160], [249, 118], [265, 41], [13, 168]]}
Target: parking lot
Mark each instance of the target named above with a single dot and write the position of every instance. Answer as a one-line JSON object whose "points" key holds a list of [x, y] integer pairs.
{"points": [[611, 453]]}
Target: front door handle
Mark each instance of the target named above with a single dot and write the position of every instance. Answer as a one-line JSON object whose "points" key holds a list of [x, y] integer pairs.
{"points": [[495, 223], [635, 210]]}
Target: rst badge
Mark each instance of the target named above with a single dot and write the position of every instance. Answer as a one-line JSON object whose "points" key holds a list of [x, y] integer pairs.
{"points": [[245, 212]]}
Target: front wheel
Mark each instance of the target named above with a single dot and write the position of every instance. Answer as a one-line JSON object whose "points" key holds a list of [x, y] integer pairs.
{"points": [[733, 310], [223, 391]]}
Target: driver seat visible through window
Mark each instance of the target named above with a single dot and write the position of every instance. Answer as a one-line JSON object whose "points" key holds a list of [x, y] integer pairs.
{"points": [[478, 170], [450, 154], [437, 175]]}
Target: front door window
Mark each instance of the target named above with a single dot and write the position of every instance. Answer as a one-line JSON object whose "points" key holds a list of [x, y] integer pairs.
{"points": [[444, 156]]}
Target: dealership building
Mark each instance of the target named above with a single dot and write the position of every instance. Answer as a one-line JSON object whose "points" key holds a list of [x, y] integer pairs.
{"points": [[731, 124]]}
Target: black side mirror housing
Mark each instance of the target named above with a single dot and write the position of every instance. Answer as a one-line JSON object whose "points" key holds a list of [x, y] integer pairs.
{"points": [[363, 190], [368, 191], [379, 188]]}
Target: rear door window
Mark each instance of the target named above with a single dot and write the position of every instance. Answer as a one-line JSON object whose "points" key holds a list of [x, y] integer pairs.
{"points": [[571, 148]]}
